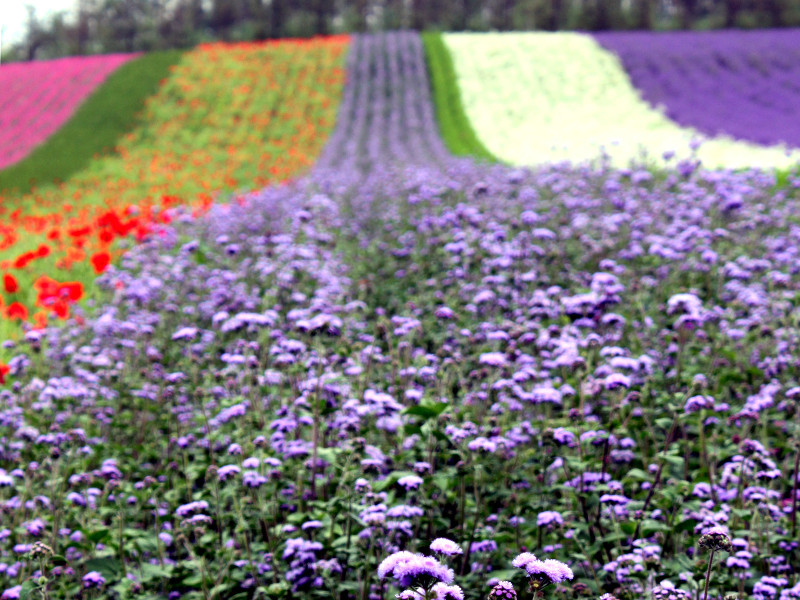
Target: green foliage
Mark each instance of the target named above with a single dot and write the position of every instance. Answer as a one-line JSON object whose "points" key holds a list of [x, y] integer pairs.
{"points": [[454, 124], [110, 112]]}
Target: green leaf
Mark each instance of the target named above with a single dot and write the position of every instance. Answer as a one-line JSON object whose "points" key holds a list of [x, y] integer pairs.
{"points": [[664, 423], [98, 536], [193, 580], [426, 411], [506, 574], [27, 589], [628, 527], [650, 527], [637, 474], [108, 566], [671, 459]]}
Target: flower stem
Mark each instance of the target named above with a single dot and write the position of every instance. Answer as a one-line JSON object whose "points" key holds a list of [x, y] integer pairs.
{"points": [[708, 575], [794, 493]]}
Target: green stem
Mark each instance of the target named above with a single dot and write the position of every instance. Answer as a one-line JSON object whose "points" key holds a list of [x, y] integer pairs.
{"points": [[708, 575]]}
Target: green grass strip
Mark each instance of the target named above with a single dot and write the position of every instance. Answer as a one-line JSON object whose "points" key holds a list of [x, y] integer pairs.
{"points": [[454, 125], [108, 113]]}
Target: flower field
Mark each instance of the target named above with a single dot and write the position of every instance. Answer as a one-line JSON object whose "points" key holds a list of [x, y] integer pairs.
{"points": [[563, 97], [754, 77], [406, 374], [223, 113], [38, 98]]}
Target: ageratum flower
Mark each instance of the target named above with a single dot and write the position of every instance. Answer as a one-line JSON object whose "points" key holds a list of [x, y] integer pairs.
{"points": [[698, 403], [410, 482], [503, 590], [227, 471], [186, 510], [666, 590], [549, 518], [716, 538], [483, 546], [446, 547], [414, 570], [767, 587], [546, 572], [523, 559], [442, 591], [93, 579]]}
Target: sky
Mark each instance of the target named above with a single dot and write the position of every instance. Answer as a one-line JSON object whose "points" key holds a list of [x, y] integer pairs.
{"points": [[13, 15]]}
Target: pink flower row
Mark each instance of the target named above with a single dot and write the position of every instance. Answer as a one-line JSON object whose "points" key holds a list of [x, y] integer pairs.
{"points": [[38, 97]]}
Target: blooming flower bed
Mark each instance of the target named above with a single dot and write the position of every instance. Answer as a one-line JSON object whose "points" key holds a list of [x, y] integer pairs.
{"points": [[745, 84], [38, 97], [223, 121], [535, 98], [442, 380]]}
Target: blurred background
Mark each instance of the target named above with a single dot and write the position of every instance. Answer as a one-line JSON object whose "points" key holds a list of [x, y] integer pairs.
{"points": [[53, 28]]}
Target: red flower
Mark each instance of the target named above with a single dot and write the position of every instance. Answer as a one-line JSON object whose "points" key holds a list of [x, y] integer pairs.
{"points": [[16, 310], [4, 370], [100, 261], [71, 291], [23, 259], [10, 283], [61, 309]]}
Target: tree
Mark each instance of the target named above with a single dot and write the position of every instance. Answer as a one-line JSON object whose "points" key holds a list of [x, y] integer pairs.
{"points": [[643, 14], [732, 10]]}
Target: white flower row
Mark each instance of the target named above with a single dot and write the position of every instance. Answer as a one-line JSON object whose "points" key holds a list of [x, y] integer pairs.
{"points": [[535, 98]]}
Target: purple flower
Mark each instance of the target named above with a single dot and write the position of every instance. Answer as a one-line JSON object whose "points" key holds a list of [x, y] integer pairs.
{"points": [[548, 571], [446, 547], [12, 593], [186, 510], [523, 559], [442, 591], [542, 572], [503, 590], [227, 471], [93, 579], [493, 359], [410, 482], [414, 570], [549, 518]]}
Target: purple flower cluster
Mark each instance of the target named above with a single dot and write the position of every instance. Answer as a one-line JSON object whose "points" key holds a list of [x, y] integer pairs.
{"points": [[743, 84], [414, 570], [542, 573]]}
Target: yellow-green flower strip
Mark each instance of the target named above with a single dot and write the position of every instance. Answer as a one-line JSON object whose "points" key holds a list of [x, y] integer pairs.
{"points": [[536, 98]]}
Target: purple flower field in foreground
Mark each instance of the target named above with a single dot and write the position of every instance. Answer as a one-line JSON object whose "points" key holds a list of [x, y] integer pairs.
{"points": [[441, 380], [744, 84]]}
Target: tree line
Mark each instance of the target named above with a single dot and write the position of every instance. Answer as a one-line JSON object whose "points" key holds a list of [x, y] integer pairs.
{"points": [[103, 26]]}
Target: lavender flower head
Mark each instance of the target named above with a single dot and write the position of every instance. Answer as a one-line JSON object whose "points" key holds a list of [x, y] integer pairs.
{"points": [[715, 539], [444, 591], [523, 559], [446, 547], [666, 590], [440, 591], [503, 590], [93, 579], [542, 572], [549, 518], [414, 570]]}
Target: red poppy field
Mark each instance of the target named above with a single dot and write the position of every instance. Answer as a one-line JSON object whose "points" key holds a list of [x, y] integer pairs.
{"points": [[220, 123]]}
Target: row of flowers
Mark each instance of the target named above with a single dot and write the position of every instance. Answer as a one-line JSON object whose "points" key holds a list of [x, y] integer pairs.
{"points": [[535, 98], [39, 97], [229, 117], [745, 84]]}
